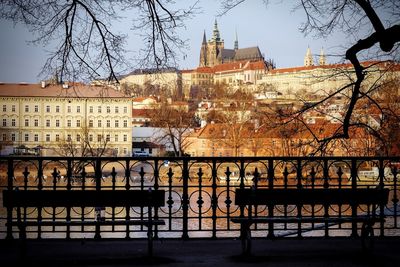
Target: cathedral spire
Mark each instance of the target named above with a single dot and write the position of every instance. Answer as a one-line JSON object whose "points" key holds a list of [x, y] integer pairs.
{"points": [[216, 36], [204, 37], [308, 59], [236, 45], [322, 59]]}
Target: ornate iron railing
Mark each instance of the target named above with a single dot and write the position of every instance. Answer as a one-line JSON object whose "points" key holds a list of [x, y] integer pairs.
{"points": [[199, 191]]}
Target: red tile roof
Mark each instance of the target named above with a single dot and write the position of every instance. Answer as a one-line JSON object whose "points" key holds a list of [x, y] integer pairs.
{"points": [[187, 71], [204, 70], [141, 99], [73, 91], [392, 66], [233, 67], [140, 113]]}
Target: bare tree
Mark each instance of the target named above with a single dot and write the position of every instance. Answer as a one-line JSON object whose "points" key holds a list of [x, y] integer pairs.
{"points": [[380, 19], [88, 47], [237, 122], [174, 124], [85, 143]]}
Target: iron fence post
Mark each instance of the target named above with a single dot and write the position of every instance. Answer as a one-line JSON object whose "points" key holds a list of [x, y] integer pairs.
{"points": [[10, 177], [185, 199]]}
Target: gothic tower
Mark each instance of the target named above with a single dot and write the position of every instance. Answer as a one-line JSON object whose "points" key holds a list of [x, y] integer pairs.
{"points": [[308, 59], [203, 52], [322, 59], [215, 47], [236, 45]]}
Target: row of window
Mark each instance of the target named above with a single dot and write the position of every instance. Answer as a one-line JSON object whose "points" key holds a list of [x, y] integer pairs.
{"points": [[27, 123], [78, 138], [69, 109]]}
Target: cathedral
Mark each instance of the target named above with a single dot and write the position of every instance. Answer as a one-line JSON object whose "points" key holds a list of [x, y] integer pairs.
{"points": [[213, 52]]}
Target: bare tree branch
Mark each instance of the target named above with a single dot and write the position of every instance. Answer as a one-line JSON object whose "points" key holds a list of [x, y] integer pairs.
{"points": [[88, 47]]}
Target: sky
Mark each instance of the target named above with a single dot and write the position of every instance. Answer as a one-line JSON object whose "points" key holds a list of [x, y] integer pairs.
{"points": [[274, 29]]}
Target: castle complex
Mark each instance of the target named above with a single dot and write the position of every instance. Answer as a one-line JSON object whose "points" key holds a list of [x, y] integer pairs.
{"points": [[214, 53], [246, 69]]}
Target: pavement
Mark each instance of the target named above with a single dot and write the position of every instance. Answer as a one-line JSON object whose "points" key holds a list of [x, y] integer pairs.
{"points": [[329, 252]]}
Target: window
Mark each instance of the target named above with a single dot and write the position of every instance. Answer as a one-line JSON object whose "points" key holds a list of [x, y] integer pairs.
{"points": [[99, 138], [13, 108], [57, 123], [4, 108], [69, 109], [4, 122], [47, 123], [13, 137], [13, 122], [48, 109], [47, 137], [57, 137], [90, 137], [99, 109], [36, 108], [108, 109], [108, 138], [125, 109], [26, 123], [58, 109], [26, 137], [78, 109], [36, 138], [91, 109], [99, 123], [116, 124], [125, 151], [78, 137], [69, 138], [36, 122], [4, 137], [68, 123], [125, 123], [90, 123], [27, 108], [125, 138], [108, 124], [116, 110], [78, 123], [116, 138]]}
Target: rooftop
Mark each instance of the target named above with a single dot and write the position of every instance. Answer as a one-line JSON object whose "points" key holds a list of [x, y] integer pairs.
{"points": [[74, 90]]}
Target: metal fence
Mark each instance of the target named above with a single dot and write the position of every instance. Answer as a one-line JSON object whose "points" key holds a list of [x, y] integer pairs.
{"points": [[199, 192]]}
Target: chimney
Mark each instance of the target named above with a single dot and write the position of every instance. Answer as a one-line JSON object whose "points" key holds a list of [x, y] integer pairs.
{"points": [[43, 84], [65, 85]]}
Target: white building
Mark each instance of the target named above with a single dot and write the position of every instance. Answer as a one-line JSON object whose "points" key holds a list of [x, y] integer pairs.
{"points": [[45, 117]]}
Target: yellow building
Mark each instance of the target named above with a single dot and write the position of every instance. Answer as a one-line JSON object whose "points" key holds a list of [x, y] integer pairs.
{"points": [[50, 117], [323, 79]]}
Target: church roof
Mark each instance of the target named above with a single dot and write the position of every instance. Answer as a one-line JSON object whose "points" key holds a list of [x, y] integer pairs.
{"points": [[248, 53], [227, 54]]}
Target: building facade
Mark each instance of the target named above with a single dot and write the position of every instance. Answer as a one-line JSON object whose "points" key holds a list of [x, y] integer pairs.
{"points": [[50, 118], [321, 80]]}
